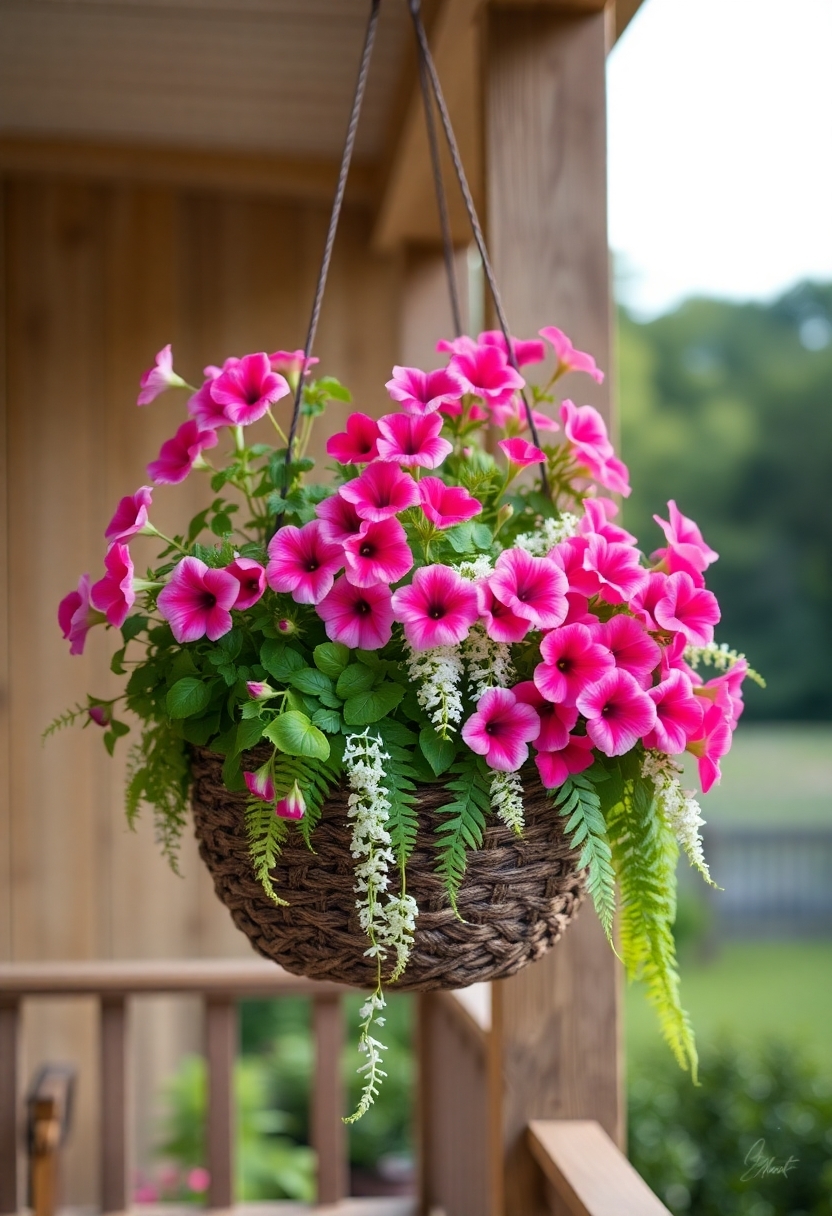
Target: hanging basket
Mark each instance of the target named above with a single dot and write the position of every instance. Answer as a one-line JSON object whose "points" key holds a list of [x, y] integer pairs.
{"points": [[517, 897]]}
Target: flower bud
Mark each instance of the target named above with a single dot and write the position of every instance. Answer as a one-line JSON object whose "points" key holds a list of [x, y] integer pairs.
{"points": [[259, 690], [286, 627], [261, 783], [101, 715], [293, 806]]}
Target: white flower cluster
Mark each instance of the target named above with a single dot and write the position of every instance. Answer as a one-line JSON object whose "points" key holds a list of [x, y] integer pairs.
{"points": [[679, 807], [507, 799], [397, 931], [488, 662], [550, 533], [721, 657], [477, 568], [437, 674]]}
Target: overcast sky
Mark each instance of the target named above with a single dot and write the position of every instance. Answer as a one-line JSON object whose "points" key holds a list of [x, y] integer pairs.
{"points": [[720, 141]]}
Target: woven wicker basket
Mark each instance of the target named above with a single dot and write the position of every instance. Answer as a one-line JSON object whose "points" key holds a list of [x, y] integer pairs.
{"points": [[517, 897]]}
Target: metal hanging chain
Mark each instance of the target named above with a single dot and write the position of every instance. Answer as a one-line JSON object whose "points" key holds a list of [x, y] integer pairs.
{"points": [[426, 58], [337, 202]]}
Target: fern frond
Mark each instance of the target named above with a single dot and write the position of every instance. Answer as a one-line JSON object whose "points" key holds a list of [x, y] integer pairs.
{"points": [[578, 801], [463, 823], [158, 777], [645, 854], [316, 779], [400, 781], [266, 834], [67, 718]]}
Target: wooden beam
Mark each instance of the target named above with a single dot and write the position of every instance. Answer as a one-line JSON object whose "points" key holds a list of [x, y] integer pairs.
{"points": [[329, 1138], [114, 1168], [9, 1122], [221, 1051]]}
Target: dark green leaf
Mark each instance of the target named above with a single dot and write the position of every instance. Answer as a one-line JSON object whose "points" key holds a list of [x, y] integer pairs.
{"points": [[117, 662], [133, 626], [439, 753], [328, 720], [280, 660], [188, 698], [295, 735], [331, 658], [370, 706], [311, 681], [249, 733], [355, 679]]}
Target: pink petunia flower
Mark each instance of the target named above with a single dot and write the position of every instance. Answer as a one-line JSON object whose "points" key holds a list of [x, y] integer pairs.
{"points": [[713, 743], [358, 444], [572, 661], [437, 609], [293, 806], [684, 542], [486, 372], [303, 562], [570, 359], [679, 714], [617, 568], [511, 415], [339, 519], [419, 392], [289, 362], [208, 413], [526, 350], [568, 555], [212, 371], [260, 784], [456, 346], [618, 713], [76, 617], [500, 622], [357, 616], [444, 505], [521, 452], [726, 690], [248, 389], [179, 455], [596, 518], [381, 491], [586, 431], [532, 587], [410, 439], [159, 377], [252, 579], [130, 516], [556, 721], [643, 603], [197, 600], [631, 646], [555, 766], [113, 594], [688, 609], [379, 554], [501, 730]]}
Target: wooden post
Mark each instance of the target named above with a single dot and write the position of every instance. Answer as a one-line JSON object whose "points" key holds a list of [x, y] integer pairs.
{"points": [[328, 1132], [9, 1049], [555, 1037], [221, 1052], [114, 1167]]}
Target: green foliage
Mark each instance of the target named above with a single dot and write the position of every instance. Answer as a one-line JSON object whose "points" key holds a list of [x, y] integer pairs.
{"points": [[577, 800], [400, 778], [316, 779], [266, 833], [188, 698], [373, 705], [296, 735], [463, 824], [158, 777]]}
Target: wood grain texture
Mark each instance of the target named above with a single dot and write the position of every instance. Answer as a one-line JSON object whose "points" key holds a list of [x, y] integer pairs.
{"points": [[221, 1035], [329, 1138], [588, 1172], [9, 1116], [114, 1162]]}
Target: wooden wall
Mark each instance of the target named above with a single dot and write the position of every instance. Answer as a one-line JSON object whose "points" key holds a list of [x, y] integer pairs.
{"points": [[96, 278]]}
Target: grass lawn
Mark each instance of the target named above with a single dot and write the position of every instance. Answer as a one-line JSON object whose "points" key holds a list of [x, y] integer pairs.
{"points": [[752, 990]]}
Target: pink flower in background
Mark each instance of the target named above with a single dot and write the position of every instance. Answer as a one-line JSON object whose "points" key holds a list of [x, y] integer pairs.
{"points": [[339, 519], [521, 452], [679, 714], [303, 562], [444, 505], [556, 721], [289, 362], [713, 743], [500, 622], [248, 389], [212, 371], [618, 713], [726, 690], [526, 350], [643, 603], [196, 601], [685, 543], [632, 648], [673, 658], [512, 415], [158, 378], [261, 783], [616, 567], [555, 766], [501, 730], [358, 444], [252, 579], [113, 594], [688, 609], [358, 616], [487, 374], [532, 587], [101, 715], [130, 516], [587, 432], [208, 413], [419, 392], [437, 609], [293, 806], [572, 661], [379, 554], [596, 518], [381, 491], [179, 455], [409, 439], [570, 359], [76, 617]]}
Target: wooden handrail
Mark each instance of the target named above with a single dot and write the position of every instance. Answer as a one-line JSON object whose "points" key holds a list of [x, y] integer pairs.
{"points": [[587, 1172]]}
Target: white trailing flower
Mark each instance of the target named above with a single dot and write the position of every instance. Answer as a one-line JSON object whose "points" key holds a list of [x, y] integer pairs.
{"points": [[475, 569], [369, 808], [437, 674], [679, 807], [397, 931], [550, 533], [488, 662], [507, 799], [721, 658]]}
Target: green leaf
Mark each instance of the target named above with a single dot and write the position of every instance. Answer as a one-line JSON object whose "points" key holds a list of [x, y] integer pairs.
{"points": [[221, 525], [331, 658], [280, 660], [249, 733], [355, 679], [439, 753], [578, 801], [294, 734], [459, 537], [334, 389], [266, 833], [481, 536], [117, 662], [328, 720], [311, 681], [370, 706], [132, 627], [462, 826], [188, 698]]}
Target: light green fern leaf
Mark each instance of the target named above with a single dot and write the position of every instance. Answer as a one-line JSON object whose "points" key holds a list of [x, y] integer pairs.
{"points": [[316, 779], [577, 800], [463, 822], [266, 834], [158, 777]]}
